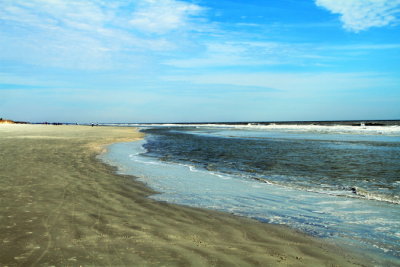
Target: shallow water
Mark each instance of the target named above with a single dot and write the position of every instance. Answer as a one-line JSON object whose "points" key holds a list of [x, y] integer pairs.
{"points": [[310, 161], [336, 184]]}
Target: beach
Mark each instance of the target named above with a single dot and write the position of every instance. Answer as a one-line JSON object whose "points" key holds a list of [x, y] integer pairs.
{"points": [[61, 206]]}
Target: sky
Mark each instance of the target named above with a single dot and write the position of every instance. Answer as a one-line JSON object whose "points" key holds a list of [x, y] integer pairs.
{"points": [[199, 60]]}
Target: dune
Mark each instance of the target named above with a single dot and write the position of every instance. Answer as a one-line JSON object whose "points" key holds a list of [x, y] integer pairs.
{"points": [[6, 121]]}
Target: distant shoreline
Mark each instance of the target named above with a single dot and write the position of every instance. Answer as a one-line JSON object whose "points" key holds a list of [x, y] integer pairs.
{"points": [[255, 123]]}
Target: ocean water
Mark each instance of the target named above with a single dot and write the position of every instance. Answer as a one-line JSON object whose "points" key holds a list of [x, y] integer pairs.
{"points": [[341, 183]]}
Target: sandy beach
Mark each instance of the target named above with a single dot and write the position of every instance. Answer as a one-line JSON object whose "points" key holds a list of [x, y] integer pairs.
{"points": [[61, 206]]}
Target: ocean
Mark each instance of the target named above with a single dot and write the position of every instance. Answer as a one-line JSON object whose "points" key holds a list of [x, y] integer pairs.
{"points": [[337, 182]]}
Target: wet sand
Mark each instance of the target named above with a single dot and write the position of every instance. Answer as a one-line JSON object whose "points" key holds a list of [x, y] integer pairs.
{"points": [[61, 206]]}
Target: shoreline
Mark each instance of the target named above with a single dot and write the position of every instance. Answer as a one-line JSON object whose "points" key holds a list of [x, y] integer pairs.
{"points": [[326, 216], [62, 205], [366, 122]]}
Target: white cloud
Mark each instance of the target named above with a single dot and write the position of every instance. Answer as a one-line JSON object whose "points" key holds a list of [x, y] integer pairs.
{"points": [[161, 16], [91, 34], [55, 13], [247, 53], [358, 15]]}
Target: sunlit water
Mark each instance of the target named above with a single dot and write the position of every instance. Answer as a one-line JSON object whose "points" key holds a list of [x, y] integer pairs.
{"points": [[340, 183]]}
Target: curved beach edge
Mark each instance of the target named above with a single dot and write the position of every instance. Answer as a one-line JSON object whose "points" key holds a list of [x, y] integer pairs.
{"points": [[61, 205]]}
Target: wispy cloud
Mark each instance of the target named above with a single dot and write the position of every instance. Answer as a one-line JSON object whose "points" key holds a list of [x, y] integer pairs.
{"points": [[91, 34], [359, 15], [46, 14], [161, 16], [234, 53], [247, 53], [112, 57]]}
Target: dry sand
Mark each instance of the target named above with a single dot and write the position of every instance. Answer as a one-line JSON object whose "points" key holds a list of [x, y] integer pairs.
{"points": [[60, 206]]}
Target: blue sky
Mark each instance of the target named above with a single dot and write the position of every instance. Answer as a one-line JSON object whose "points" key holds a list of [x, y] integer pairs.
{"points": [[203, 60]]}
